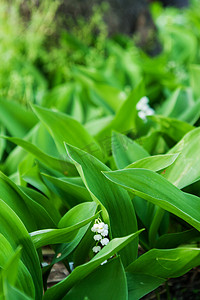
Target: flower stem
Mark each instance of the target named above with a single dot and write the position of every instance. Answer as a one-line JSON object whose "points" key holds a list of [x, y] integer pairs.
{"points": [[155, 226]]}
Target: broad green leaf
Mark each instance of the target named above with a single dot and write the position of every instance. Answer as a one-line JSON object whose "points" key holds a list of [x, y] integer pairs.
{"points": [[56, 236], [158, 190], [180, 43], [192, 114], [12, 197], [59, 96], [33, 177], [114, 199], [126, 151], [60, 165], [102, 94], [125, 61], [70, 191], [141, 209], [91, 74], [125, 117], [48, 203], [13, 293], [16, 118], [168, 105], [10, 275], [77, 110], [22, 277], [5, 250], [59, 290], [65, 249], [83, 250], [10, 268], [174, 128], [15, 232], [186, 168], [173, 240], [77, 214], [155, 163], [181, 106], [24, 166], [166, 263], [64, 128], [97, 125], [194, 79], [150, 141], [2, 142], [17, 155], [98, 101], [141, 284], [43, 140], [109, 94], [106, 282], [32, 214], [46, 237]]}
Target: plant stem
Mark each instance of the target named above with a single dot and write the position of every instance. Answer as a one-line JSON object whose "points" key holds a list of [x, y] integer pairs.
{"points": [[155, 226], [167, 290], [157, 294], [150, 212]]}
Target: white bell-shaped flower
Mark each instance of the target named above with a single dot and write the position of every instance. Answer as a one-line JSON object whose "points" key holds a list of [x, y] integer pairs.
{"points": [[96, 249]]}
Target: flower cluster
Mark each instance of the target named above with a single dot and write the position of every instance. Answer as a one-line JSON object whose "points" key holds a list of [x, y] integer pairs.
{"points": [[101, 232], [143, 108]]}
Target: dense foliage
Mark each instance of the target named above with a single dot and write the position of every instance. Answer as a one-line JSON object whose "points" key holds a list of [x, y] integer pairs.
{"points": [[99, 154]]}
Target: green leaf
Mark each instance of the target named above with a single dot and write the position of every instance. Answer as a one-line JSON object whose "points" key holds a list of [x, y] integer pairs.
{"points": [[47, 203], [191, 115], [15, 232], [126, 151], [59, 290], [155, 163], [77, 214], [97, 125], [59, 96], [155, 266], [106, 282], [31, 213], [173, 240], [13, 293], [64, 128], [125, 117], [150, 141], [33, 177], [114, 199], [70, 191], [13, 270], [169, 104], [166, 263], [2, 142], [174, 128], [84, 249], [16, 118], [186, 168], [181, 106], [141, 284], [10, 269], [156, 189], [194, 79], [112, 96], [56, 236], [60, 165]]}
